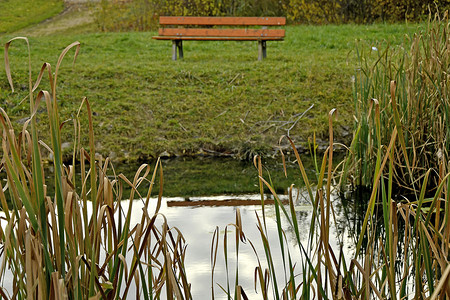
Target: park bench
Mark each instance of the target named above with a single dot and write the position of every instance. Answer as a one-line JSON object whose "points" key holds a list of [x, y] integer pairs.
{"points": [[179, 29]]}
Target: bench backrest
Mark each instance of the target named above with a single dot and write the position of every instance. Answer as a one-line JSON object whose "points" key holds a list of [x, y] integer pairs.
{"points": [[230, 21], [243, 33]]}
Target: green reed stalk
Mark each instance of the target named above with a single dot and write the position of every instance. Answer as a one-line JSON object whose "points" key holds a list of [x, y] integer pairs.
{"points": [[393, 96], [56, 247], [411, 84]]}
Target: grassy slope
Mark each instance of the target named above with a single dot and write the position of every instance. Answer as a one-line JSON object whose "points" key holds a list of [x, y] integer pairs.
{"points": [[218, 98], [17, 14]]}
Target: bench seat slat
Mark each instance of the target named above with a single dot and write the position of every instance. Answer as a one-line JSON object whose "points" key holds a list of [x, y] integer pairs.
{"points": [[231, 33], [216, 38], [236, 21]]}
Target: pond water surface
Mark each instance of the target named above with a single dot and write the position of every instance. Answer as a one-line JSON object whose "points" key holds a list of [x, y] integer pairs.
{"points": [[202, 194], [198, 222], [205, 194]]}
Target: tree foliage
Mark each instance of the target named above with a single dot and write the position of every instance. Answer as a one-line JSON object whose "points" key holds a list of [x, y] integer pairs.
{"points": [[121, 15]]}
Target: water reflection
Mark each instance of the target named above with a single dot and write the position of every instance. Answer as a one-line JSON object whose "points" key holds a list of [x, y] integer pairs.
{"points": [[351, 212], [206, 176], [197, 217], [197, 224], [198, 221]]}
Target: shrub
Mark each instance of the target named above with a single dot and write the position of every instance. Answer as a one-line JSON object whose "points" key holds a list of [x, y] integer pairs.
{"points": [[119, 15]]}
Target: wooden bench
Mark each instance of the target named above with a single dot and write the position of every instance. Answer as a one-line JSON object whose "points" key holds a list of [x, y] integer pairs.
{"points": [[218, 29]]}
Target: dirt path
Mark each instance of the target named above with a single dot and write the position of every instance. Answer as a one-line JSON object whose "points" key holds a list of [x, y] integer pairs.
{"points": [[75, 17]]}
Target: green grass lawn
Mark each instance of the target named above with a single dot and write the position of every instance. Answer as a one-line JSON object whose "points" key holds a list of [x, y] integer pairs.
{"points": [[17, 14], [219, 98]]}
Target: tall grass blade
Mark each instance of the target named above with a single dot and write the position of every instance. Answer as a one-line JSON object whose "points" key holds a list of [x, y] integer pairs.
{"points": [[374, 193]]}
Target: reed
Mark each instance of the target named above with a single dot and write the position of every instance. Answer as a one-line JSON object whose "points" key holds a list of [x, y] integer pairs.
{"points": [[400, 142], [400, 151], [78, 242], [318, 270], [408, 86], [401, 250]]}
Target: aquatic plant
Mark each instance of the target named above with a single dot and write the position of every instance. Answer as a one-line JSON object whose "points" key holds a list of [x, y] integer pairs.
{"points": [[401, 250], [77, 241], [405, 89], [400, 144]]}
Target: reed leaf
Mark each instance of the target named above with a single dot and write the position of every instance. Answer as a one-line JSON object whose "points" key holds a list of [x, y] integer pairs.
{"points": [[63, 245]]}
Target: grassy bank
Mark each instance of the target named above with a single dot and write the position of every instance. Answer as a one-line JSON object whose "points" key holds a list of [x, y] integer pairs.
{"points": [[17, 14], [219, 99]]}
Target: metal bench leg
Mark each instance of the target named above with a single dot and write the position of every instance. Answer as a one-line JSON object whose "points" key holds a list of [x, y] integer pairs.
{"points": [[262, 53], [174, 50], [180, 48], [177, 45]]}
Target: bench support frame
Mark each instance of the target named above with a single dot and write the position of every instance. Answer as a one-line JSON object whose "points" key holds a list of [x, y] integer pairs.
{"points": [[262, 49], [177, 45], [192, 28]]}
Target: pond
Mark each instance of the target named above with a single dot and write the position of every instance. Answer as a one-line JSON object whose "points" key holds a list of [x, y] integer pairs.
{"points": [[199, 217], [198, 222], [202, 194], [205, 193]]}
